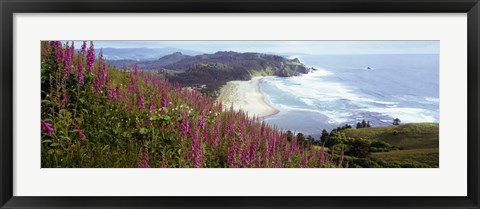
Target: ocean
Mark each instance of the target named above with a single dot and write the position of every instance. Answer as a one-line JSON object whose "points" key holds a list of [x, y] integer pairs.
{"points": [[347, 89]]}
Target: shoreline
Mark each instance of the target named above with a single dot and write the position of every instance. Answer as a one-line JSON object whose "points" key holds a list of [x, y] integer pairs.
{"points": [[246, 95]]}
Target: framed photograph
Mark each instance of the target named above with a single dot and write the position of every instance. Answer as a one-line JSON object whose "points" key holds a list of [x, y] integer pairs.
{"points": [[265, 104]]}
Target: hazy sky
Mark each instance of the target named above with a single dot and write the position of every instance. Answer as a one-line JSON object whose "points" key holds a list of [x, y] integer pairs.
{"points": [[303, 47]]}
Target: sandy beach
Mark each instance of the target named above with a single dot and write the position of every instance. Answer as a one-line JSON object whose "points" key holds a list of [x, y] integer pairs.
{"points": [[246, 95]]}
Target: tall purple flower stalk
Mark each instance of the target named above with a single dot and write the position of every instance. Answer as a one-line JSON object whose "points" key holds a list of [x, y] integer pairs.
{"points": [[143, 161], [79, 130], [57, 46], [165, 99], [100, 79], [80, 71], [100, 56], [185, 126], [112, 94], [140, 101], [196, 149], [201, 123], [64, 100], [104, 71], [91, 57], [135, 70], [151, 105], [67, 59], [97, 85], [84, 48], [46, 127], [133, 85]]}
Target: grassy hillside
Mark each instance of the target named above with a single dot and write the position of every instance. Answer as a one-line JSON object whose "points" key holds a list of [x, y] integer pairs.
{"points": [[417, 143], [413, 157], [97, 116], [407, 136]]}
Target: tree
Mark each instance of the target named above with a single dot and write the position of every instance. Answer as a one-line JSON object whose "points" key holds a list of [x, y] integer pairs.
{"points": [[310, 139], [301, 140], [396, 122], [300, 137], [359, 125], [339, 138], [369, 124], [360, 148], [289, 135], [324, 136], [333, 132], [364, 124]]}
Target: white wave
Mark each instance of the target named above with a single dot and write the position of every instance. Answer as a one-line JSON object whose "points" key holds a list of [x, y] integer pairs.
{"points": [[405, 114], [432, 99], [335, 117], [308, 101], [316, 89]]}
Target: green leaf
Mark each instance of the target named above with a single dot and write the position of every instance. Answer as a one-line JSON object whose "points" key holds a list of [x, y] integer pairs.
{"points": [[126, 134], [46, 141], [154, 118], [54, 144], [166, 118], [143, 131]]}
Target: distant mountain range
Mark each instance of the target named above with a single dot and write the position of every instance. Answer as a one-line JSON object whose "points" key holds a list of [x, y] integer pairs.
{"points": [[142, 54], [156, 64]]}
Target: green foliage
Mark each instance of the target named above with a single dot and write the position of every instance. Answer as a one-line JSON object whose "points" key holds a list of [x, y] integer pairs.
{"points": [[396, 121], [407, 145], [337, 138], [289, 135], [421, 158], [405, 136], [381, 146], [359, 148]]}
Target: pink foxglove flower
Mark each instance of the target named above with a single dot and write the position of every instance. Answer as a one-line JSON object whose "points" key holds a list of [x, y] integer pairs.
{"points": [[80, 71], [135, 70], [84, 48], [67, 59], [143, 161], [196, 150], [64, 99], [185, 125], [46, 127], [91, 57], [79, 130], [112, 94], [151, 106], [97, 85], [140, 102], [57, 46], [133, 85]]}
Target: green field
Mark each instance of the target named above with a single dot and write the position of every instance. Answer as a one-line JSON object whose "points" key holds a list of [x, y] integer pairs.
{"points": [[423, 157], [417, 144]]}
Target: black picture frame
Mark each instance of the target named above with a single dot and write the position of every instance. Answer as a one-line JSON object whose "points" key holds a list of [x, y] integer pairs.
{"points": [[9, 7]]}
